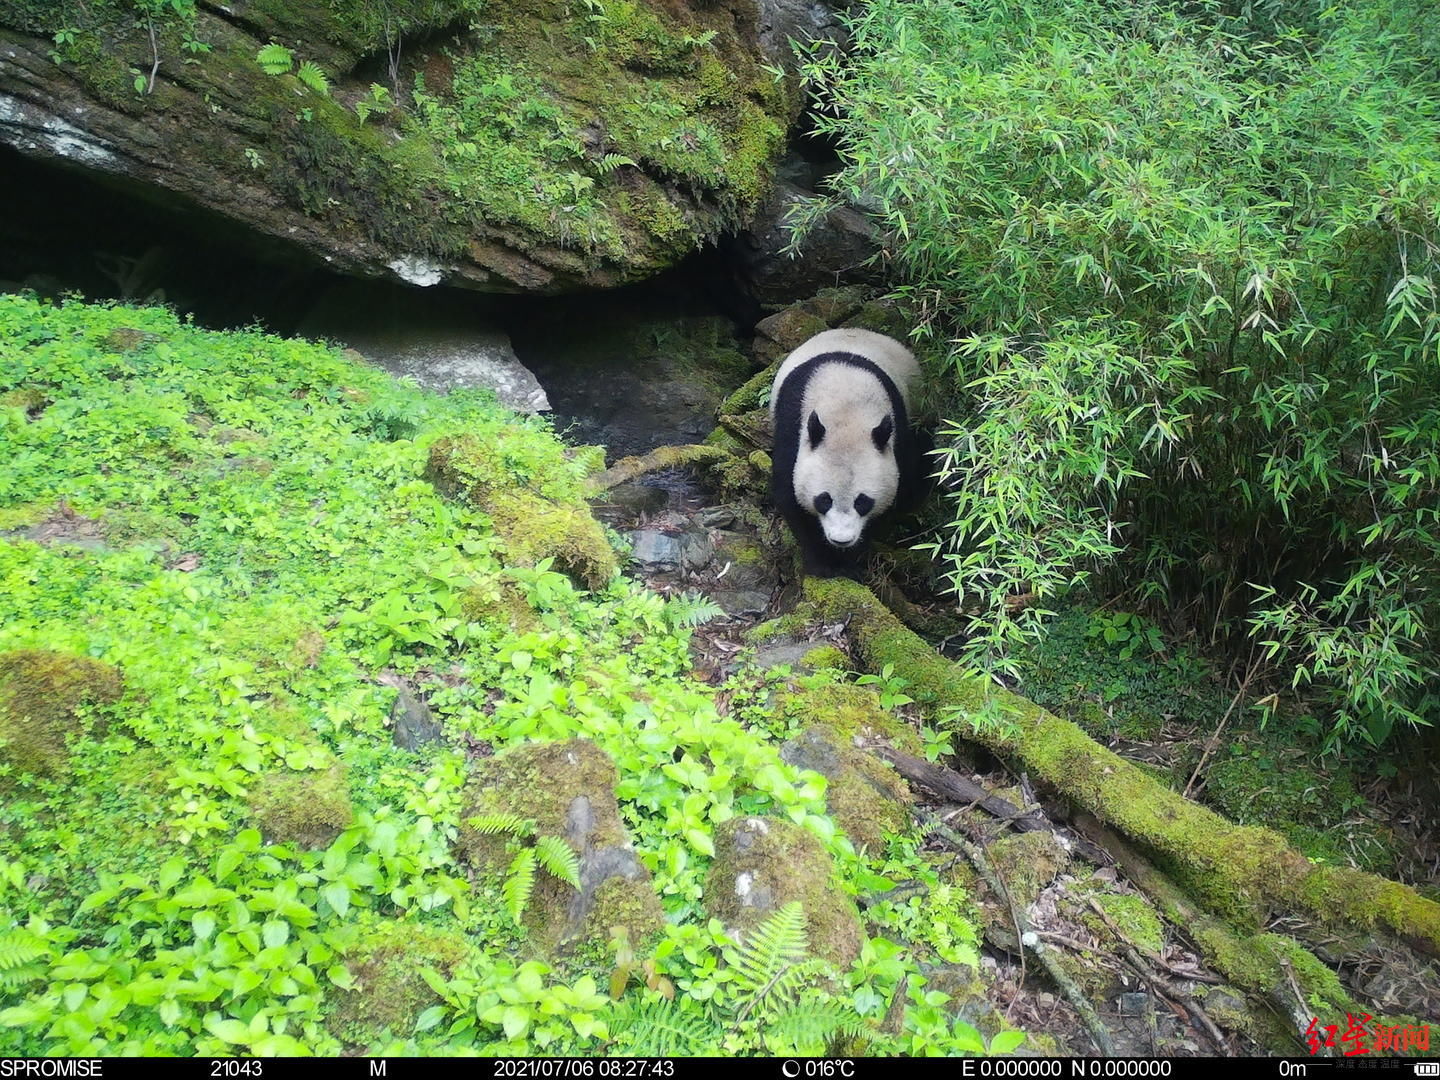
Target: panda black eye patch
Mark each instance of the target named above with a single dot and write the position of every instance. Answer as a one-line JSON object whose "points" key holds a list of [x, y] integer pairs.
{"points": [[864, 504], [823, 502]]}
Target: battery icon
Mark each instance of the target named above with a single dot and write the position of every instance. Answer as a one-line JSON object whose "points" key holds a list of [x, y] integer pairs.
{"points": [[1427, 1068]]}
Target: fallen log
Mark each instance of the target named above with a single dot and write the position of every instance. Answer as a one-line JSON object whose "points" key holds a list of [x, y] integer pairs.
{"points": [[951, 785], [1241, 873], [662, 457]]}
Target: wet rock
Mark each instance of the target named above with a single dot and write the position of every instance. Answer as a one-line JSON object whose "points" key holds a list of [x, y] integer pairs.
{"points": [[441, 348], [804, 21], [763, 863], [655, 551], [414, 724], [634, 499], [717, 517], [789, 653], [839, 246], [696, 549], [221, 138], [779, 334], [741, 601], [568, 790], [635, 379]]}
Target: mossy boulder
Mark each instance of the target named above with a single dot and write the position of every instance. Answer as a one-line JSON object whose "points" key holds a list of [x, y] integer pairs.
{"points": [[389, 993], [846, 709], [43, 698], [529, 145], [568, 790], [308, 809], [763, 863], [865, 795], [546, 518]]}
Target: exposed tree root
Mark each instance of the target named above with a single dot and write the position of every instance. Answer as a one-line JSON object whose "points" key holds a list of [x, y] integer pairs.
{"points": [[1027, 939], [1262, 965], [1241, 873], [662, 457]]}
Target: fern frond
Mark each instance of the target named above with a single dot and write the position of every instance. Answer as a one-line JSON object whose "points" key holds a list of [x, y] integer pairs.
{"points": [[656, 1027], [777, 944], [610, 162], [18, 947], [557, 856], [810, 1027], [771, 966], [313, 76], [690, 610], [275, 59], [493, 824], [17, 977], [519, 883]]}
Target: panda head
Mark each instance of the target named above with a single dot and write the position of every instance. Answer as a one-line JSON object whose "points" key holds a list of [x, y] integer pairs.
{"points": [[846, 474]]}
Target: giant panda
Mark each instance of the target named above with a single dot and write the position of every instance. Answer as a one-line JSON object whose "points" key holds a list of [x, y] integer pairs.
{"points": [[844, 452]]}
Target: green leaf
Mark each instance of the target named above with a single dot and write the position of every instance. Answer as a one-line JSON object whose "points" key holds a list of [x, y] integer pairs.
{"points": [[514, 1021], [1005, 1042], [430, 1018], [23, 1015], [311, 75], [341, 977], [203, 924], [275, 933], [337, 895], [231, 1031], [275, 59]]}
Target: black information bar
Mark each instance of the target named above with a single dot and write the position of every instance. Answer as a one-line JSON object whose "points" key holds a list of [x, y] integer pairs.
{"points": [[617, 1068]]}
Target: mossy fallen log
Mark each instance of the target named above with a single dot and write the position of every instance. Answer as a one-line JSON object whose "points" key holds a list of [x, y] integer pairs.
{"points": [[1241, 873], [662, 457]]}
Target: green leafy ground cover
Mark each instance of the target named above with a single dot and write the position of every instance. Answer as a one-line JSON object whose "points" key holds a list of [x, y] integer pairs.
{"points": [[229, 855]]}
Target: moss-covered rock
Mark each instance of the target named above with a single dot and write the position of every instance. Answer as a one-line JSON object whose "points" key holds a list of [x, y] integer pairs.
{"points": [[762, 864], [43, 695], [389, 993], [542, 144], [547, 518], [848, 710], [568, 790], [865, 795], [308, 809]]}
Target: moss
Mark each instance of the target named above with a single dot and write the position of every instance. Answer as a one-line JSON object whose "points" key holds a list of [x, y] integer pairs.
{"points": [[539, 782], [389, 991], [846, 709], [826, 656], [546, 519], [43, 698], [629, 904], [501, 604], [748, 397], [1134, 918], [762, 864], [309, 809], [1241, 872], [1027, 863], [30, 399], [23, 515]]}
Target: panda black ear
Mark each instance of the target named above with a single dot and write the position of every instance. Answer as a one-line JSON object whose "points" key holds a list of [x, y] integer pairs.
{"points": [[816, 429], [882, 432]]}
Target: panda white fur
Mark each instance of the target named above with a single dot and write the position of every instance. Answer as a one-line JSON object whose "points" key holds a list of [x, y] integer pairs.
{"points": [[844, 451]]}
